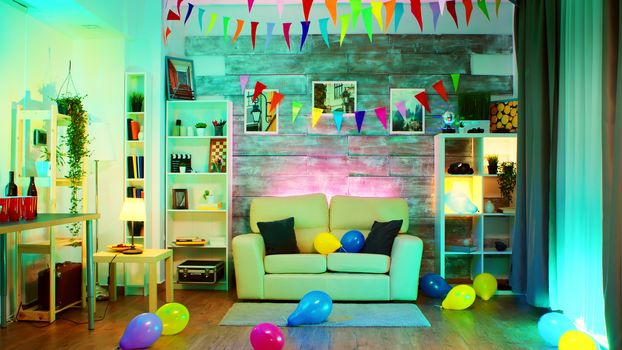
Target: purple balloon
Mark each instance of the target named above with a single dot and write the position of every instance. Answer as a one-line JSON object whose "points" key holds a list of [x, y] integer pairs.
{"points": [[352, 241], [266, 336], [142, 331]]}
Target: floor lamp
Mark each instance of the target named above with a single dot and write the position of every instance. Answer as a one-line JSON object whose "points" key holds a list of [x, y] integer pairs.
{"points": [[102, 150]]}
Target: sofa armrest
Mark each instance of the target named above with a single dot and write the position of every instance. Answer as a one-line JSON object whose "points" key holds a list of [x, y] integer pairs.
{"points": [[405, 264], [248, 253]]}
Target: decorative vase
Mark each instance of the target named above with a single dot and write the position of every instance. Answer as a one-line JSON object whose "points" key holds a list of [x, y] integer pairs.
{"points": [[492, 169], [201, 131], [141, 134], [42, 167], [218, 130], [210, 199], [489, 208], [190, 131]]}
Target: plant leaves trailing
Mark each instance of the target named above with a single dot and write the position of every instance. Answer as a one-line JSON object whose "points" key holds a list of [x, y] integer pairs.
{"points": [[474, 106], [506, 179]]}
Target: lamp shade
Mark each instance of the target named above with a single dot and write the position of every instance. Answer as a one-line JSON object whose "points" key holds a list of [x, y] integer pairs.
{"points": [[133, 210], [102, 145]]}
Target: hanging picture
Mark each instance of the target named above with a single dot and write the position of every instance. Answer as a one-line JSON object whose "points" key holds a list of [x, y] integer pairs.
{"points": [[407, 114], [179, 79], [334, 96], [217, 155], [504, 116], [259, 115], [180, 198]]}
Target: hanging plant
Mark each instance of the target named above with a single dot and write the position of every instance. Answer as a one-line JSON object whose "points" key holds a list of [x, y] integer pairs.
{"points": [[506, 178]]}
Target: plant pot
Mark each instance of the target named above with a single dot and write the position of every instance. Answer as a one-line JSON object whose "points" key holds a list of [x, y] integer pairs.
{"points": [[210, 199], [42, 167], [201, 131], [137, 107], [62, 108], [492, 169], [218, 130]]}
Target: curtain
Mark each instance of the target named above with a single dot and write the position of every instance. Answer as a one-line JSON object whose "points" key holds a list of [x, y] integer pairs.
{"points": [[537, 54], [612, 172]]}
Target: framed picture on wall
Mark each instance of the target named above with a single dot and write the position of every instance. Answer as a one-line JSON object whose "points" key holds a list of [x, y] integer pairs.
{"points": [[180, 83], [333, 96], [217, 156], [180, 198], [407, 114], [259, 115]]}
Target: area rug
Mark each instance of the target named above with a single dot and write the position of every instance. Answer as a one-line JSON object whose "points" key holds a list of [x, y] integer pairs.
{"points": [[343, 315]]}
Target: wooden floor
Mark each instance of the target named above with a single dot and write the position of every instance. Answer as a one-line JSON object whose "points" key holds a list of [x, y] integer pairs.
{"points": [[505, 322]]}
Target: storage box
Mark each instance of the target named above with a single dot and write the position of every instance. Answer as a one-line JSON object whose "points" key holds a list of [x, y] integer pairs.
{"points": [[68, 285], [200, 271]]}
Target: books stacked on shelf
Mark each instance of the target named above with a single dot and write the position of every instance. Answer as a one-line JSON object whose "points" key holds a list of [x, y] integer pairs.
{"points": [[133, 128], [191, 241], [461, 249], [210, 206], [178, 160], [133, 192], [135, 167]]}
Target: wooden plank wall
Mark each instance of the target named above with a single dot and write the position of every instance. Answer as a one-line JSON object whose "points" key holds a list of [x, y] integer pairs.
{"points": [[302, 159]]}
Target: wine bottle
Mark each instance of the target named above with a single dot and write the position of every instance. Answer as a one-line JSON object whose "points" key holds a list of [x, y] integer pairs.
{"points": [[11, 187], [32, 192]]}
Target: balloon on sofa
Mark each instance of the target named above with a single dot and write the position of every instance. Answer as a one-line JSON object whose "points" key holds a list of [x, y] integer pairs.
{"points": [[434, 286], [174, 318], [142, 331], [326, 243], [552, 325], [352, 241], [460, 297], [267, 336], [485, 285], [313, 308]]}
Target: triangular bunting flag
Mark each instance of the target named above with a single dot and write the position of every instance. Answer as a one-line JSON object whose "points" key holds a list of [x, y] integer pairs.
{"points": [[323, 22], [305, 32], [243, 82], [359, 116], [200, 18], [415, 8], [286, 27], [167, 32], [451, 8], [376, 10], [389, 9], [399, 12], [172, 16], [259, 87], [225, 27], [190, 7], [355, 6], [212, 22], [277, 97], [455, 78], [315, 116], [441, 5], [381, 113], [269, 28], [401, 107], [306, 7], [338, 117], [468, 9], [254, 32], [497, 4], [345, 22], [482, 6], [440, 88], [179, 5], [436, 11], [238, 30], [279, 7], [422, 97], [250, 5], [366, 13], [296, 107], [331, 5]]}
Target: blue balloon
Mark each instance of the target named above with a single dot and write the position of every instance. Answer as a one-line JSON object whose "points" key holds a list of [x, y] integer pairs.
{"points": [[552, 326], [142, 331], [313, 308], [434, 286], [352, 241]]}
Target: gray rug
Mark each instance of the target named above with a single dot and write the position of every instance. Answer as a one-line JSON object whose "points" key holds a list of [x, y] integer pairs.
{"points": [[343, 315]]}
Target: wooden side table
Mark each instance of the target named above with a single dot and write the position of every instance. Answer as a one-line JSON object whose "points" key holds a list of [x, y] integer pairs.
{"points": [[148, 256]]}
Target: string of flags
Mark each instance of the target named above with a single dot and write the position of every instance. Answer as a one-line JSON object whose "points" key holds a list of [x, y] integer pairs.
{"points": [[381, 112], [393, 12]]}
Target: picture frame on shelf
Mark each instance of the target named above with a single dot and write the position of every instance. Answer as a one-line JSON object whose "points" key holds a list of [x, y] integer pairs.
{"points": [[259, 117], [180, 198], [334, 96], [217, 156], [414, 122], [180, 82]]}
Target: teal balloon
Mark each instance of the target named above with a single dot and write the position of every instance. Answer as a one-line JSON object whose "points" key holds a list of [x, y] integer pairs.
{"points": [[313, 308], [552, 326], [352, 241]]}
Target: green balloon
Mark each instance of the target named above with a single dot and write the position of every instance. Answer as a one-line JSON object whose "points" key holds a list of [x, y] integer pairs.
{"points": [[174, 318]]}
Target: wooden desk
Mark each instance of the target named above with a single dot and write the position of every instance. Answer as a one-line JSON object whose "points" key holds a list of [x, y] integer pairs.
{"points": [[44, 221], [150, 257]]}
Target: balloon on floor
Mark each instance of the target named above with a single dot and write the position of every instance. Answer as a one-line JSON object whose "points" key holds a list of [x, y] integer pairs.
{"points": [[313, 308], [552, 325], [267, 336], [434, 286], [174, 316], [485, 285], [142, 331], [576, 340], [460, 297]]}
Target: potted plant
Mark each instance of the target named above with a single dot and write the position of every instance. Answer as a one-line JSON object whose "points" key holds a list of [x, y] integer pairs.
{"points": [[506, 178], [493, 164], [136, 101], [201, 128], [210, 199]]}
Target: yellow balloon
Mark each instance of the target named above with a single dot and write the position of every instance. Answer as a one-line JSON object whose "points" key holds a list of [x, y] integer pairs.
{"points": [[326, 243], [460, 297], [174, 318], [485, 285], [576, 340]]}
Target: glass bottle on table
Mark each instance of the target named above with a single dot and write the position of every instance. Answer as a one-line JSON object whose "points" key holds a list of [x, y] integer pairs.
{"points": [[11, 188], [32, 192]]}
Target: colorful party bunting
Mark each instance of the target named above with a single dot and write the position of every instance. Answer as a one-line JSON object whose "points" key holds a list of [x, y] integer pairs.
{"points": [[381, 113], [324, 30], [179, 5], [279, 7], [497, 4], [367, 21], [338, 117], [441, 5], [225, 27], [190, 7], [455, 78], [200, 18], [399, 12], [277, 97], [436, 11], [331, 5], [243, 82], [296, 107], [306, 7], [259, 87], [345, 22], [355, 6], [315, 116], [254, 32], [250, 5], [359, 116], [269, 29], [468, 9], [305, 32], [451, 8], [401, 107], [238, 30], [422, 97], [376, 10], [482, 6], [172, 16], [440, 89], [167, 32], [415, 8], [389, 9], [286, 27], [211, 22]]}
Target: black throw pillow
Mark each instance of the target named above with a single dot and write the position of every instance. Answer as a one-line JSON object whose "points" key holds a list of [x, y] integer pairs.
{"points": [[380, 239], [279, 236]]}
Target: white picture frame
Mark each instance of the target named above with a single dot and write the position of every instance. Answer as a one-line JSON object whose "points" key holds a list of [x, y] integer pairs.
{"points": [[267, 123], [414, 124], [338, 96]]}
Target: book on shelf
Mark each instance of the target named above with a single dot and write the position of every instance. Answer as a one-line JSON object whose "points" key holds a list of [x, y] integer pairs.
{"points": [[133, 128], [134, 192], [210, 206], [191, 241], [461, 248], [135, 167]]}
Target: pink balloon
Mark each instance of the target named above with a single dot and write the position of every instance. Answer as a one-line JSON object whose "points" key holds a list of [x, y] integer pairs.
{"points": [[266, 336]]}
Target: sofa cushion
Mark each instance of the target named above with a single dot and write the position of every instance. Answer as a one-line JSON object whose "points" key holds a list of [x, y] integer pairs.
{"points": [[279, 236], [295, 263], [381, 237], [359, 213], [357, 262]]}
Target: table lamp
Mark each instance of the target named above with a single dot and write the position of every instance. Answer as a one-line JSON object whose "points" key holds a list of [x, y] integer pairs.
{"points": [[133, 210]]}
